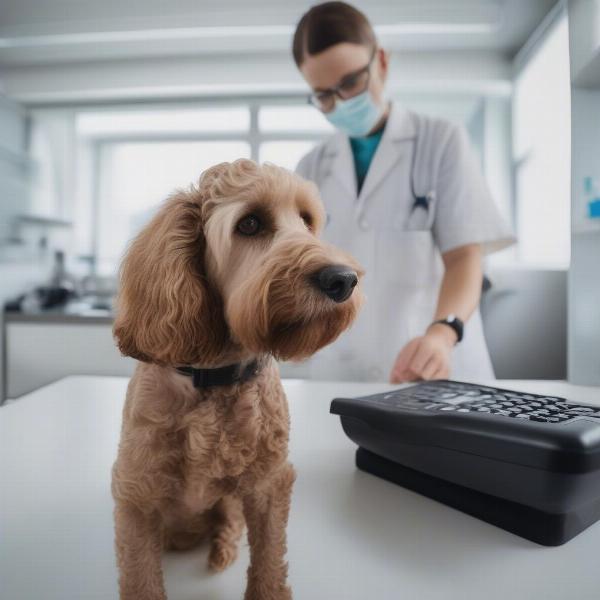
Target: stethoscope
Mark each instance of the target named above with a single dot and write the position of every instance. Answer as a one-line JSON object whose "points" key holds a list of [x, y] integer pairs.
{"points": [[418, 201]]}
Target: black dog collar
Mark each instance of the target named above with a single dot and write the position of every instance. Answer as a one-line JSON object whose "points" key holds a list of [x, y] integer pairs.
{"points": [[228, 375]]}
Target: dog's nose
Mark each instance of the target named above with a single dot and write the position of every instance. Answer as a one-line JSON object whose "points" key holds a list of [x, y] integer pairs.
{"points": [[337, 281]]}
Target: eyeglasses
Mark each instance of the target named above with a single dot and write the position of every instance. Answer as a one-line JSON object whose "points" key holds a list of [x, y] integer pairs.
{"points": [[351, 85]]}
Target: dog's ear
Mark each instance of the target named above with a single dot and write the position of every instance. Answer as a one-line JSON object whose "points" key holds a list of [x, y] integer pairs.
{"points": [[167, 312]]}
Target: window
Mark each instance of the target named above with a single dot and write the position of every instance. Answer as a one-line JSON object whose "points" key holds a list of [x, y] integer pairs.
{"points": [[284, 153], [142, 155], [541, 150], [115, 165], [164, 122], [303, 118], [287, 133], [135, 178]]}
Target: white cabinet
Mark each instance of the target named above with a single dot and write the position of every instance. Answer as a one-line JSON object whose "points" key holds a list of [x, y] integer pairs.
{"points": [[38, 353]]}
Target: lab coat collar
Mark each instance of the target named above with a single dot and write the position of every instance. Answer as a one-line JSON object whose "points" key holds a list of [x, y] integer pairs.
{"points": [[339, 152], [399, 127]]}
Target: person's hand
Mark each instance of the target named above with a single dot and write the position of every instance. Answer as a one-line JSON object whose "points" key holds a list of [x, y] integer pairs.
{"points": [[425, 357]]}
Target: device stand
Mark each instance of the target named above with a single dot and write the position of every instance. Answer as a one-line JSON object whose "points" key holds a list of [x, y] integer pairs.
{"points": [[530, 523]]}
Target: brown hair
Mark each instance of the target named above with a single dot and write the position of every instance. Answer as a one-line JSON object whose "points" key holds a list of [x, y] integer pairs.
{"points": [[325, 25]]}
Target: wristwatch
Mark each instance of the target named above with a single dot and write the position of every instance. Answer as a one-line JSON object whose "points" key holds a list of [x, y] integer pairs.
{"points": [[456, 324]]}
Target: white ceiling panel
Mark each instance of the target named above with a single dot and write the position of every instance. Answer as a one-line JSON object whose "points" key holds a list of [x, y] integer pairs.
{"points": [[52, 31]]}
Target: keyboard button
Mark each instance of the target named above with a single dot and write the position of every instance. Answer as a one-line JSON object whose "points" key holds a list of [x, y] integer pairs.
{"points": [[465, 398]]}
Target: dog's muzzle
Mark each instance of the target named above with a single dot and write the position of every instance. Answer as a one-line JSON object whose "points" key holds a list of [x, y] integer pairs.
{"points": [[336, 281]]}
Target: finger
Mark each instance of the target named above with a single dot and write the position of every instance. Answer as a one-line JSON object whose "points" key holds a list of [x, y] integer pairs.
{"points": [[432, 366], [420, 359], [400, 376], [405, 356], [441, 373], [410, 375], [394, 377]]}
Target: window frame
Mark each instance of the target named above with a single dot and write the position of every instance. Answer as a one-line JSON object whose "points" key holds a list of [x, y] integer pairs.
{"points": [[253, 136], [522, 60]]}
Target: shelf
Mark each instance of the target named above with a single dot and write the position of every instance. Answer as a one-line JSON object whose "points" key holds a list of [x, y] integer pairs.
{"points": [[45, 221], [22, 162]]}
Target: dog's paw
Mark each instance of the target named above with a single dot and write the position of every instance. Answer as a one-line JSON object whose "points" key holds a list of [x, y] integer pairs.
{"points": [[221, 556], [261, 590]]}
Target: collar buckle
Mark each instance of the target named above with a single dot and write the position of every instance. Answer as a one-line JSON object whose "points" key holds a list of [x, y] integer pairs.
{"points": [[221, 376]]}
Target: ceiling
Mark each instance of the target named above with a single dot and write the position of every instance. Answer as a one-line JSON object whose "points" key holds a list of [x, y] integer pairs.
{"points": [[55, 31]]}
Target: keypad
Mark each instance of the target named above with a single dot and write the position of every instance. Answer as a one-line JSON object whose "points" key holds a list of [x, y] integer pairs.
{"points": [[457, 397]]}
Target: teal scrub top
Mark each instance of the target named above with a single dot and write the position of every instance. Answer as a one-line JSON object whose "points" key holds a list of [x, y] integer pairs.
{"points": [[363, 150]]}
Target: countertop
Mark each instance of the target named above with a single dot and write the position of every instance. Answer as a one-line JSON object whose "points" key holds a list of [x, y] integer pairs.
{"points": [[350, 536], [72, 312]]}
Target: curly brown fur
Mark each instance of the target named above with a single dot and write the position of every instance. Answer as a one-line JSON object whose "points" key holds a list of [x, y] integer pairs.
{"points": [[201, 464]]}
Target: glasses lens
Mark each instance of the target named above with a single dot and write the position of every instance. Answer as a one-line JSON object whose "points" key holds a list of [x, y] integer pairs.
{"points": [[323, 101], [354, 85]]}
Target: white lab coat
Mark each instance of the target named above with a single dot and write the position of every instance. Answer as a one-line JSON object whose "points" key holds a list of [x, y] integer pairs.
{"points": [[399, 249]]}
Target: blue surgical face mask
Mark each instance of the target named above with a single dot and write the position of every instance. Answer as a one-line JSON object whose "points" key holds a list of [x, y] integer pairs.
{"points": [[355, 116]]}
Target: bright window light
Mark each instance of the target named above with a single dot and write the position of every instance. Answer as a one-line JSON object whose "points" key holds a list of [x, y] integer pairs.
{"points": [[172, 122], [135, 178], [285, 153], [542, 149], [293, 118]]}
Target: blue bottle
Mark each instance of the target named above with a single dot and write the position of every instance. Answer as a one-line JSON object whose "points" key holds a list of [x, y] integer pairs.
{"points": [[592, 194]]}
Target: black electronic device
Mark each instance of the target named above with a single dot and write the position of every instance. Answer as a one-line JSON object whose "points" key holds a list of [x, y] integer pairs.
{"points": [[525, 462]]}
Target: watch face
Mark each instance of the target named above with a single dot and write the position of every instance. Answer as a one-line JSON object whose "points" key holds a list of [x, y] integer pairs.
{"points": [[456, 324]]}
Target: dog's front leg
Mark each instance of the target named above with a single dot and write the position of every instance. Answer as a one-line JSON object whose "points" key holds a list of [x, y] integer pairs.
{"points": [[139, 554], [266, 511]]}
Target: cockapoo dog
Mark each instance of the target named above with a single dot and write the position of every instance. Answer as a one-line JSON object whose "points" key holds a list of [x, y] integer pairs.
{"points": [[226, 278]]}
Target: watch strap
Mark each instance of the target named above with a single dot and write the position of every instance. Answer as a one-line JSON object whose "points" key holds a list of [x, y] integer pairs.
{"points": [[455, 323]]}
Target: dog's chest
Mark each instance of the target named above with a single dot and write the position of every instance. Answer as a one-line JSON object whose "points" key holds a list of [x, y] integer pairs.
{"points": [[217, 450], [220, 448]]}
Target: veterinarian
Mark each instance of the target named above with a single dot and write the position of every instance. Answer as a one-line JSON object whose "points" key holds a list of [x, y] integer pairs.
{"points": [[405, 195]]}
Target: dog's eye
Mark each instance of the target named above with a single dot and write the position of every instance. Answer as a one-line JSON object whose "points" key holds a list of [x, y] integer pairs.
{"points": [[249, 225], [307, 219]]}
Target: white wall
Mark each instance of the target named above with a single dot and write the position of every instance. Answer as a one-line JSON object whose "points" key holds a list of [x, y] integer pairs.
{"points": [[584, 282]]}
